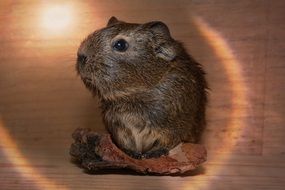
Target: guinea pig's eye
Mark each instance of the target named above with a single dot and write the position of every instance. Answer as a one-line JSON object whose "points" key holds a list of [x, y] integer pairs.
{"points": [[120, 45]]}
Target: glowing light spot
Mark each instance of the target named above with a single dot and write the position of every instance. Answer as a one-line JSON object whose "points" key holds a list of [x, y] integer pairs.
{"points": [[57, 18]]}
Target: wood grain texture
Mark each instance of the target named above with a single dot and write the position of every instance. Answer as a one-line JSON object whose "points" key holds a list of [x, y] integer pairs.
{"points": [[42, 100]]}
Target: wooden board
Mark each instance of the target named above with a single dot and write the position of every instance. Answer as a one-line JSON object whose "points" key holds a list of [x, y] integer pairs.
{"points": [[42, 100]]}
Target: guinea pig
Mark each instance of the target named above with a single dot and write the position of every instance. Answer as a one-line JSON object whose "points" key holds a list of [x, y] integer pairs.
{"points": [[152, 92]]}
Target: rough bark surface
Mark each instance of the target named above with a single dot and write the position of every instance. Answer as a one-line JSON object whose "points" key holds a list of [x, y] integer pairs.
{"points": [[95, 151]]}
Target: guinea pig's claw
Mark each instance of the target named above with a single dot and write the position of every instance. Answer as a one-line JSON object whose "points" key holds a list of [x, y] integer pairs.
{"points": [[136, 155], [155, 153]]}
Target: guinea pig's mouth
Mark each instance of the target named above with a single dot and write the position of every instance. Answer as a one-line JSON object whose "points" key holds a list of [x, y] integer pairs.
{"points": [[89, 83], [87, 80]]}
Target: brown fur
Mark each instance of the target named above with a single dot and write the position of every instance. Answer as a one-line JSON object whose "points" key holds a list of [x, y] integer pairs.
{"points": [[153, 95]]}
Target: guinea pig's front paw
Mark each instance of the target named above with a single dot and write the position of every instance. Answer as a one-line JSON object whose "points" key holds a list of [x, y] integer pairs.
{"points": [[155, 153], [133, 154]]}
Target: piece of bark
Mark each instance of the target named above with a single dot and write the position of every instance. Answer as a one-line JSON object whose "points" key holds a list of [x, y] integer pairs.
{"points": [[97, 151]]}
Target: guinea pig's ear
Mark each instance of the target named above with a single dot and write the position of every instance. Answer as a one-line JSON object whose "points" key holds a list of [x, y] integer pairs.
{"points": [[163, 43], [113, 20], [158, 27]]}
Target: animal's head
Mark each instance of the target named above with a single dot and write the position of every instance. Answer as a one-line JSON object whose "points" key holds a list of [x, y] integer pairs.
{"points": [[125, 57]]}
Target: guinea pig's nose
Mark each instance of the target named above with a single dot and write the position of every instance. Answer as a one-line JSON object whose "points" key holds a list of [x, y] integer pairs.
{"points": [[81, 58]]}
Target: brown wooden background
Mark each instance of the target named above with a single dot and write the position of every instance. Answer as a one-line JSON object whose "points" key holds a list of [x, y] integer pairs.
{"points": [[42, 100]]}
